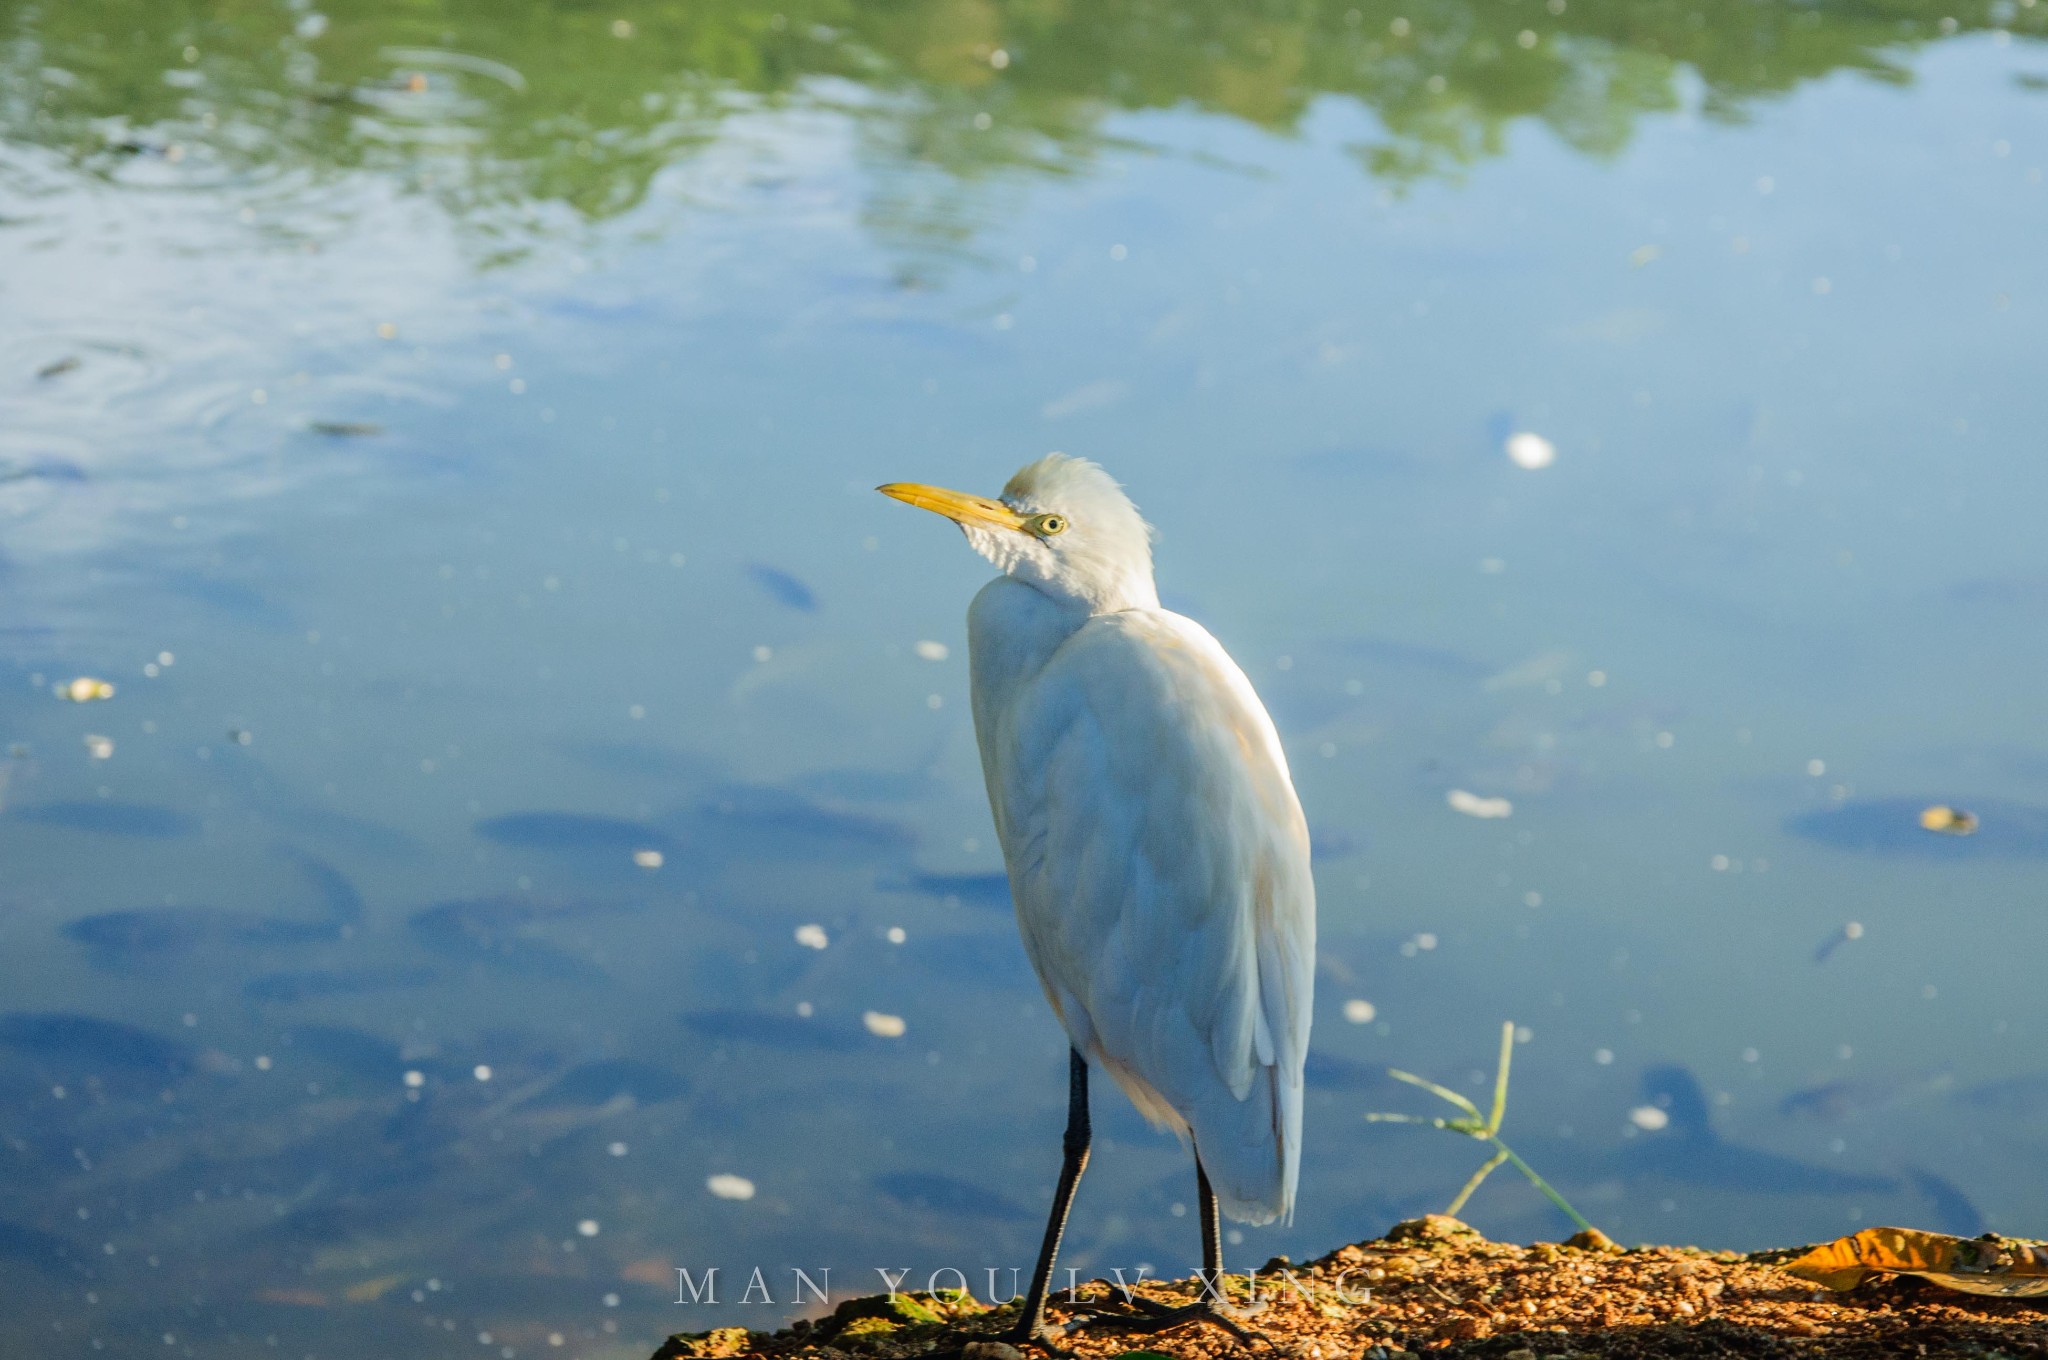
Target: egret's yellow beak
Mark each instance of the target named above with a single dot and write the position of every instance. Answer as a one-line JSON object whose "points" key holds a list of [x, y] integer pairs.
{"points": [[957, 506]]}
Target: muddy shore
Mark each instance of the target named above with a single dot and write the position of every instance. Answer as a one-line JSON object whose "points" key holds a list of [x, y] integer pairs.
{"points": [[1434, 1286]]}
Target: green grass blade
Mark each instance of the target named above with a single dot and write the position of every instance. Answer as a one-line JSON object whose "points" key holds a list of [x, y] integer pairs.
{"points": [[1440, 1092], [1481, 1174], [1544, 1186], [1485, 1128], [1500, 1082]]}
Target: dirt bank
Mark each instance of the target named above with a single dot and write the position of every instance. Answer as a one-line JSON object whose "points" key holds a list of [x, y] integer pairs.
{"points": [[1436, 1286]]}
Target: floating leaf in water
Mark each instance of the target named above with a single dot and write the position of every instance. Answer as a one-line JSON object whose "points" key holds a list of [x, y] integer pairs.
{"points": [[1897, 826], [2004, 1266], [1949, 821], [346, 429], [725, 1185], [884, 1025], [1530, 451], [369, 1291], [1472, 805]]}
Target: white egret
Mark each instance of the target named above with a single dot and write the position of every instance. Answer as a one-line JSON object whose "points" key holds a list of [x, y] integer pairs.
{"points": [[1157, 855]]}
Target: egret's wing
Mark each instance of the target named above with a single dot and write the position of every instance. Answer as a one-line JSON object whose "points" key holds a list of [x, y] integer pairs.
{"points": [[1160, 865]]}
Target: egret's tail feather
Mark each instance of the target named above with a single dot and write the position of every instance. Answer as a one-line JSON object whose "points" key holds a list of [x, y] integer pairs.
{"points": [[1251, 1148]]}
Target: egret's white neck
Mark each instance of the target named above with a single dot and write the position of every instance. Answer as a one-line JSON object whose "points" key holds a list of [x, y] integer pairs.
{"points": [[1077, 574], [1099, 563]]}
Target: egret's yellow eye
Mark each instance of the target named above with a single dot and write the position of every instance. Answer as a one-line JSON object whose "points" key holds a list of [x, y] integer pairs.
{"points": [[1045, 526]]}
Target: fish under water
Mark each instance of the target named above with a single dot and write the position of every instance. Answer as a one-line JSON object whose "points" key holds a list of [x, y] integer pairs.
{"points": [[310, 984], [235, 599], [1953, 1212], [116, 937], [789, 1032], [41, 470], [1853, 930], [974, 890], [1334, 1072], [946, 1195], [495, 932], [75, 1042], [573, 833], [991, 957], [606, 1080], [109, 818], [1327, 843], [2026, 1095], [1839, 1100], [33, 1246], [355, 1051], [1690, 1152], [752, 821], [339, 897], [782, 587], [1388, 652], [1892, 826]]}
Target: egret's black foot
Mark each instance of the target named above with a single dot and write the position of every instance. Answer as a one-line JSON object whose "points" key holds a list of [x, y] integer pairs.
{"points": [[1150, 1317]]}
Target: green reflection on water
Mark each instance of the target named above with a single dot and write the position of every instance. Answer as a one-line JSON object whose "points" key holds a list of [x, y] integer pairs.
{"points": [[503, 111]]}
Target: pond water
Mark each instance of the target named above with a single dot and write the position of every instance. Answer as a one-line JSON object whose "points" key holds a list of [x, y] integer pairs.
{"points": [[535, 840]]}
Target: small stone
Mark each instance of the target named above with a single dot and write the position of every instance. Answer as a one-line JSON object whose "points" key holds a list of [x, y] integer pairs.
{"points": [[990, 1350], [1430, 1226]]}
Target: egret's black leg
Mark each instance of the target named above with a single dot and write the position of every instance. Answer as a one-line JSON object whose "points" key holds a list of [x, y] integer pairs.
{"points": [[1031, 1322], [1030, 1328], [1212, 1231], [1212, 1308]]}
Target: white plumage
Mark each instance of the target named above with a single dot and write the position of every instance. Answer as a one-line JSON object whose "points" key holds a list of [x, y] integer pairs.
{"points": [[1157, 854]]}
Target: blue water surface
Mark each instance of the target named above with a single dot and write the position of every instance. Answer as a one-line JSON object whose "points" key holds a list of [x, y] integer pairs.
{"points": [[536, 841]]}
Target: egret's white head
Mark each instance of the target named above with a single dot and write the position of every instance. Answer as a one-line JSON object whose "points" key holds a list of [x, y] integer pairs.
{"points": [[1062, 525]]}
